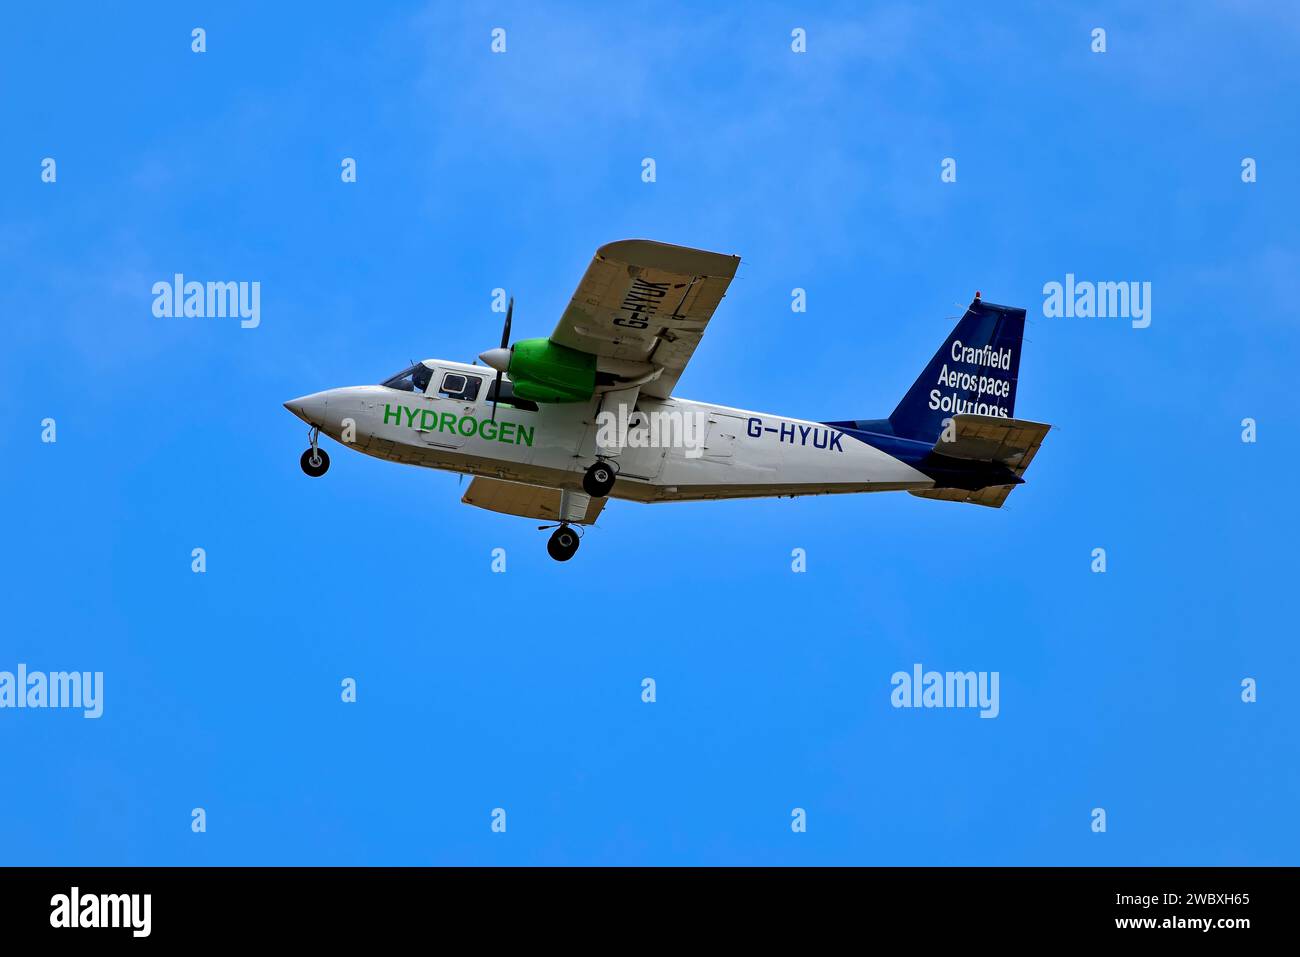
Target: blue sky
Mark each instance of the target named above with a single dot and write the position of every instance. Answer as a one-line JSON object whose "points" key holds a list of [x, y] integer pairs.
{"points": [[522, 690]]}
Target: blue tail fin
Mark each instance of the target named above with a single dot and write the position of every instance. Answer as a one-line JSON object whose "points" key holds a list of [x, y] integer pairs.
{"points": [[974, 370]]}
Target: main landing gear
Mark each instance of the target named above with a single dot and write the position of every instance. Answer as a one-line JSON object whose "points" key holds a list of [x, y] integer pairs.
{"points": [[563, 544], [315, 461], [599, 479]]}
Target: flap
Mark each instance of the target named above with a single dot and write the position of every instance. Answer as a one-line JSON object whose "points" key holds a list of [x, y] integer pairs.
{"points": [[528, 501]]}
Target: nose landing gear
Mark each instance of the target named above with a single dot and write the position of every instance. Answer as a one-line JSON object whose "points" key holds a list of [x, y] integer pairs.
{"points": [[599, 479], [315, 461], [563, 543]]}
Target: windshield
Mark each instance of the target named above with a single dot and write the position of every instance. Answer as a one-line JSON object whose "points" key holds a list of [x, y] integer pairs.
{"points": [[414, 379]]}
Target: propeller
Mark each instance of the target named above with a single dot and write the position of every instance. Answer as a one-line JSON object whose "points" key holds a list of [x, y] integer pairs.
{"points": [[499, 359]]}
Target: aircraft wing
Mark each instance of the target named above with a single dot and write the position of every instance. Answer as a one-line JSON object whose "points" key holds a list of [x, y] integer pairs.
{"points": [[530, 501], [648, 302]]}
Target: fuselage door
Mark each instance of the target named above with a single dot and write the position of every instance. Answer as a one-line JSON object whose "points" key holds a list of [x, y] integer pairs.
{"points": [[450, 400], [720, 441]]}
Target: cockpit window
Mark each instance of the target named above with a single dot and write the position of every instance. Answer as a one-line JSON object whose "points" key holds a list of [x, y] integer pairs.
{"points": [[414, 379]]}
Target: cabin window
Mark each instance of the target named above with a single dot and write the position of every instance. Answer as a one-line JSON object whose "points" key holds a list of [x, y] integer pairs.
{"points": [[456, 385]]}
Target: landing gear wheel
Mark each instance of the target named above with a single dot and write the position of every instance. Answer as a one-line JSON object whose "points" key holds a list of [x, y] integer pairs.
{"points": [[315, 462], [563, 544], [599, 479]]}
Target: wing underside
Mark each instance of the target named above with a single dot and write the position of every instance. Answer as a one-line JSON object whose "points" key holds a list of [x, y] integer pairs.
{"points": [[647, 302]]}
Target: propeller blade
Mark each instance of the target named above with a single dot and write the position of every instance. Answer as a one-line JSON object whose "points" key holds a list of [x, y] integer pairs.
{"points": [[496, 393], [505, 341], [505, 333]]}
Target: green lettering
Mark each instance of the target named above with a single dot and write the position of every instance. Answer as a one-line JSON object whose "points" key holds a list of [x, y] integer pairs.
{"points": [[426, 425], [397, 416], [483, 428], [525, 436], [410, 416], [473, 424], [506, 433], [447, 422]]}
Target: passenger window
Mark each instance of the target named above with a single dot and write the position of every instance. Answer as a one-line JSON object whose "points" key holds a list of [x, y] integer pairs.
{"points": [[458, 386]]}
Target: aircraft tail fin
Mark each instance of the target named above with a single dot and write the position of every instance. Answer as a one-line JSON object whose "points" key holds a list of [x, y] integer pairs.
{"points": [[974, 372]]}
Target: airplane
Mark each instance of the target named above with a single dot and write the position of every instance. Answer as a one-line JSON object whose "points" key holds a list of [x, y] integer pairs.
{"points": [[553, 428]]}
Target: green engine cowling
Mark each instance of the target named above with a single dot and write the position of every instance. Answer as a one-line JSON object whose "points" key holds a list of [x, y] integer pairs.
{"points": [[542, 371]]}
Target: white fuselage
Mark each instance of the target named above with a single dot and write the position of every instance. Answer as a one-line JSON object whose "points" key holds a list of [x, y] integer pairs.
{"points": [[738, 454]]}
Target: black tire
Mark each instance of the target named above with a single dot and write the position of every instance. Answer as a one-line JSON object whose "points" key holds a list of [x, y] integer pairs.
{"points": [[599, 479], [563, 543], [322, 462]]}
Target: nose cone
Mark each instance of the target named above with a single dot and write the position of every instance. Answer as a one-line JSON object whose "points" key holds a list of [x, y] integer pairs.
{"points": [[309, 408], [498, 359]]}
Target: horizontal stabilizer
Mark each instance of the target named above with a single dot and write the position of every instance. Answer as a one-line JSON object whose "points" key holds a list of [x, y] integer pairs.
{"points": [[987, 438], [984, 441], [993, 496], [530, 501]]}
